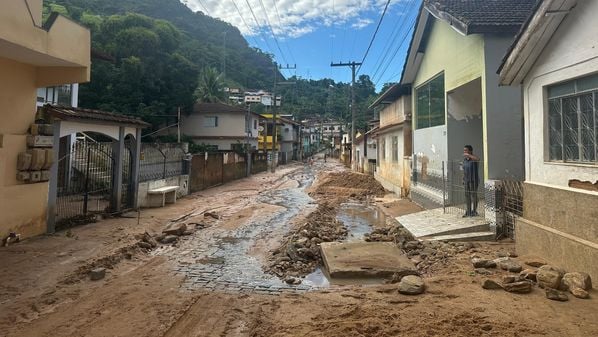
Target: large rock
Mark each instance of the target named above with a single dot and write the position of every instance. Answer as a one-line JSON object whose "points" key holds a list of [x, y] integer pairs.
{"points": [[522, 287], [529, 274], [175, 229], [576, 280], [169, 239], [534, 261], [412, 285], [556, 295], [579, 293], [510, 265], [491, 284], [97, 274], [483, 263], [549, 277]]}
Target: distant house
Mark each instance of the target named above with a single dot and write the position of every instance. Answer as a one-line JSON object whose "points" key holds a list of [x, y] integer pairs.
{"points": [[393, 138], [451, 66], [290, 142], [223, 126], [365, 151], [555, 59]]}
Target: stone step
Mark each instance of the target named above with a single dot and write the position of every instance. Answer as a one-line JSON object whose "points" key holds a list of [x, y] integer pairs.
{"points": [[474, 236]]}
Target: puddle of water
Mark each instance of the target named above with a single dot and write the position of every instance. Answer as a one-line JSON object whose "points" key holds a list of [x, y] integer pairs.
{"points": [[317, 279], [360, 219]]}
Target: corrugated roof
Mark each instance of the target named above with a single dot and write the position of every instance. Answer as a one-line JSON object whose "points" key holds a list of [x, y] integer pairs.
{"points": [[482, 16], [70, 113]]}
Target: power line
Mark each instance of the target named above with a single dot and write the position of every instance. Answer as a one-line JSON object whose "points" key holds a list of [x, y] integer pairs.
{"points": [[244, 22], [258, 25], [374, 36], [396, 50], [272, 31], [280, 25], [204, 7], [393, 39]]}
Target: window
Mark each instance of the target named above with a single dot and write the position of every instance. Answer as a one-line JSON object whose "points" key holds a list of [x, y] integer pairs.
{"points": [[573, 121], [395, 148], [383, 148], [429, 103], [255, 124], [210, 121]]}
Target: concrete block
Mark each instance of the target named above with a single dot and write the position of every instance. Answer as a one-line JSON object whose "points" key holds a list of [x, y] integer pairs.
{"points": [[38, 159], [41, 130], [24, 161], [36, 176], [23, 176], [40, 141], [49, 155]]}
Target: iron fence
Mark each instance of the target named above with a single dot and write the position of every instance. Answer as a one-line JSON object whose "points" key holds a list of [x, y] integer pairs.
{"points": [[160, 161], [464, 195], [512, 206]]}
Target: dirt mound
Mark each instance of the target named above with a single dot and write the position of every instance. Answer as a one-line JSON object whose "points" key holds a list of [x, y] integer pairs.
{"points": [[349, 184], [299, 253]]}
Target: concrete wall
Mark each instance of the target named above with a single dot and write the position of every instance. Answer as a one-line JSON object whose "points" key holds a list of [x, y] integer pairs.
{"points": [[181, 181], [560, 225], [431, 146], [389, 172], [503, 116], [572, 52], [31, 57]]}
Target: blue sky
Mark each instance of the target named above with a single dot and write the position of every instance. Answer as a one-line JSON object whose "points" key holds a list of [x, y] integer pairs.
{"points": [[312, 33]]}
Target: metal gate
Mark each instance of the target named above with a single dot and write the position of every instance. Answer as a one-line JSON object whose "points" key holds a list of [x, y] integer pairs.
{"points": [[84, 183], [457, 194]]}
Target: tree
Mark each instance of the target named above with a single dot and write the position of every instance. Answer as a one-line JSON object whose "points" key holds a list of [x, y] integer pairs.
{"points": [[210, 88]]}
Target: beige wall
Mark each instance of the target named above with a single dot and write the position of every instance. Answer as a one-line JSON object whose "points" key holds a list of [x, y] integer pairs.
{"points": [[31, 57], [560, 224], [229, 124], [391, 172]]}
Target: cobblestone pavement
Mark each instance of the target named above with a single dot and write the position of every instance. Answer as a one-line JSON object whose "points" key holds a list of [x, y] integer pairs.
{"points": [[220, 260]]}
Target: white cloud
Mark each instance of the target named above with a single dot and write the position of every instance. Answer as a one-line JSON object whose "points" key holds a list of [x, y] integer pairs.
{"points": [[293, 18], [361, 23]]}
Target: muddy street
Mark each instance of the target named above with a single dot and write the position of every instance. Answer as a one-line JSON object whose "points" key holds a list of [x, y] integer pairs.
{"points": [[248, 263]]}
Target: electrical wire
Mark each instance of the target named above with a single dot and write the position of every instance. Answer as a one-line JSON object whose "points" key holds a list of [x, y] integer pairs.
{"points": [[280, 25], [204, 8], [244, 22], [272, 31], [258, 26], [373, 37]]}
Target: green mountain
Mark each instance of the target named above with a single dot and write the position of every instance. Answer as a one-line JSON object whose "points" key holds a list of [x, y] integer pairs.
{"points": [[156, 50]]}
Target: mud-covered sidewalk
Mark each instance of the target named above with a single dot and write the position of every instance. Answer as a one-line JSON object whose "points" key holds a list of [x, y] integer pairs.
{"points": [[234, 273]]}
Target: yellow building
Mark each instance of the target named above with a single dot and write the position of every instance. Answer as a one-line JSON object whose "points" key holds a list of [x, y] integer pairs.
{"points": [[33, 54]]}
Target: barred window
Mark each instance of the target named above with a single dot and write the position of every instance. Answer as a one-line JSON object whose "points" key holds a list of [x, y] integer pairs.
{"points": [[429, 103], [573, 121]]}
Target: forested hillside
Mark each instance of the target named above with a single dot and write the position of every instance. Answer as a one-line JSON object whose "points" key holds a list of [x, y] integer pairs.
{"points": [[158, 49]]}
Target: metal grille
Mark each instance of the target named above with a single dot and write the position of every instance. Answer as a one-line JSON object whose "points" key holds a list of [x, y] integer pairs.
{"points": [[512, 204], [460, 193], [84, 182], [160, 161]]}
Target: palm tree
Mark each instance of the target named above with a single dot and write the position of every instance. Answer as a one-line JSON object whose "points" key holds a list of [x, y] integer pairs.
{"points": [[210, 88]]}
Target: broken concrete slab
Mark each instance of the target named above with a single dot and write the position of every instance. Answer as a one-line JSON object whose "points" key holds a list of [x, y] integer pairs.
{"points": [[365, 260]]}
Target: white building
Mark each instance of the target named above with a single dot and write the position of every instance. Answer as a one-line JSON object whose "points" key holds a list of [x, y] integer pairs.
{"points": [[222, 126], [555, 59]]}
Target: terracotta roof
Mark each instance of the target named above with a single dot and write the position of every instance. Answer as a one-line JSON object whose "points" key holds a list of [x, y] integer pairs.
{"points": [[482, 16], [218, 108], [70, 113]]}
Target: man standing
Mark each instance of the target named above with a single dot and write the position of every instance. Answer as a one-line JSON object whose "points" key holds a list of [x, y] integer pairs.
{"points": [[471, 180]]}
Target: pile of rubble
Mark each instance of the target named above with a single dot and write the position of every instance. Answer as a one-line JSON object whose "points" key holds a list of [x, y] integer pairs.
{"points": [[555, 281], [300, 253], [349, 184], [424, 254]]}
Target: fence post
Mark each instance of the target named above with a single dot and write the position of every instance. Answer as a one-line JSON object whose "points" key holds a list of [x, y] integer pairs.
{"points": [[443, 188]]}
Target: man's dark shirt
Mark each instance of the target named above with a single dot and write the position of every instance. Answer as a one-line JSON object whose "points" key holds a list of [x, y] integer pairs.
{"points": [[470, 171]]}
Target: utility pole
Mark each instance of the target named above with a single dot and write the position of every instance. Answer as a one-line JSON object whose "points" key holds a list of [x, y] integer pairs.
{"points": [[353, 65], [274, 127], [178, 125]]}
